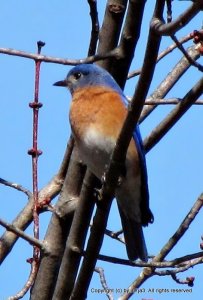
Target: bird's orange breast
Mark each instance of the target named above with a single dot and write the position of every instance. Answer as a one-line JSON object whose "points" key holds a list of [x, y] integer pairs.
{"points": [[99, 107], [97, 115]]}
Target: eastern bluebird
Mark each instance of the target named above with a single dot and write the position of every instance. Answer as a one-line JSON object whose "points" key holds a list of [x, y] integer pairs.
{"points": [[97, 113]]}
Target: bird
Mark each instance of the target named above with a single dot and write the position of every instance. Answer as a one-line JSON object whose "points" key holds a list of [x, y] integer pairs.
{"points": [[97, 112]]}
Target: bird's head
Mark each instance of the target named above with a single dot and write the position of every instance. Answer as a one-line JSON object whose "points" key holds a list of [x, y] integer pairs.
{"points": [[85, 75]]}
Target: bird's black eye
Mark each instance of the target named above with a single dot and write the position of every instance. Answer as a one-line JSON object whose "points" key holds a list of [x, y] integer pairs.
{"points": [[77, 75]]}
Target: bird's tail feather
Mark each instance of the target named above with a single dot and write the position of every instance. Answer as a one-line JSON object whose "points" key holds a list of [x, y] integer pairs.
{"points": [[134, 238]]}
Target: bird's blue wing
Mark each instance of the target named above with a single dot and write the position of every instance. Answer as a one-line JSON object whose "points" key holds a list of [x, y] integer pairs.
{"points": [[147, 216]]}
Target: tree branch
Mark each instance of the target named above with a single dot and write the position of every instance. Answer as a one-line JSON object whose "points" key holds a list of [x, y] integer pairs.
{"points": [[95, 27], [57, 60], [157, 134], [76, 239], [163, 54], [107, 290], [23, 220], [171, 28], [33, 241], [170, 80], [129, 38], [110, 30], [111, 176], [189, 58], [16, 186], [58, 230], [184, 226]]}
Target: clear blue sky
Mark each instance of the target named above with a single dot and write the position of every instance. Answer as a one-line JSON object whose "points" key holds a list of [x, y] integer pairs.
{"points": [[174, 165]]}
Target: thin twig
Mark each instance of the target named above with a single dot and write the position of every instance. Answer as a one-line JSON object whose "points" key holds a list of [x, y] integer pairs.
{"points": [[29, 283], [20, 233], [170, 101], [170, 80], [115, 235], [58, 60], [16, 186], [184, 226], [180, 262], [189, 280], [165, 125], [163, 54], [107, 290], [185, 53]]}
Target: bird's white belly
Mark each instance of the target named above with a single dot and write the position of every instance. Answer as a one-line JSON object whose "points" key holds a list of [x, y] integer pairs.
{"points": [[95, 150]]}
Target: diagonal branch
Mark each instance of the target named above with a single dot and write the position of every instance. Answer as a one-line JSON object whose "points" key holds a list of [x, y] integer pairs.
{"points": [[24, 218], [157, 134], [20, 233], [165, 52], [16, 186], [189, 58], [170, 80], [184, 226], [118, 157]]}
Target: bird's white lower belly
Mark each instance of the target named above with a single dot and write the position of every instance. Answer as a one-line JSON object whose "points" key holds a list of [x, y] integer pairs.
{"points": [[95, 151]]}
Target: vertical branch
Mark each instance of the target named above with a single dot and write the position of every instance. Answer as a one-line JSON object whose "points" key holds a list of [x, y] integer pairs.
{"points": [[35, 152], [58, 231], [129, 38], [118, 157], [95, 27], [110, 31], [76, 239]]}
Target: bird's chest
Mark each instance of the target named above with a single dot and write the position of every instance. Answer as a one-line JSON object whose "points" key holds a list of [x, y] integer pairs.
{"points": [[91, 131]]}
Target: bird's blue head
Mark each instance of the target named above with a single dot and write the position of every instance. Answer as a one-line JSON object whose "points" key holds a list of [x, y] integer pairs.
{"points": [[85, 75]]}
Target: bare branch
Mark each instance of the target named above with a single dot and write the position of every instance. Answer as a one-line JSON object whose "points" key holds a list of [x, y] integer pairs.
{"points": [[115, 235], [110, 30], [16, 186], [189, 280], [76, 239], [184, 226], [29, 282], [172, 118], [189, 58], [117, 159], [170, 80], [95, 27], [24, 218], [107, 290], [57, 60], [58, 231], [170, 101], [180, 262], [163, 54], [32, 240], [128, 41], [171, 28]]}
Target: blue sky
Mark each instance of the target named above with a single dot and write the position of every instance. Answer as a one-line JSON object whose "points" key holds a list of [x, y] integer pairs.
{"points": [[174, 165]]}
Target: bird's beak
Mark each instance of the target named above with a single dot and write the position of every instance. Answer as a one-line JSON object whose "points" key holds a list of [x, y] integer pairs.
{"points": [[61, 83]]}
